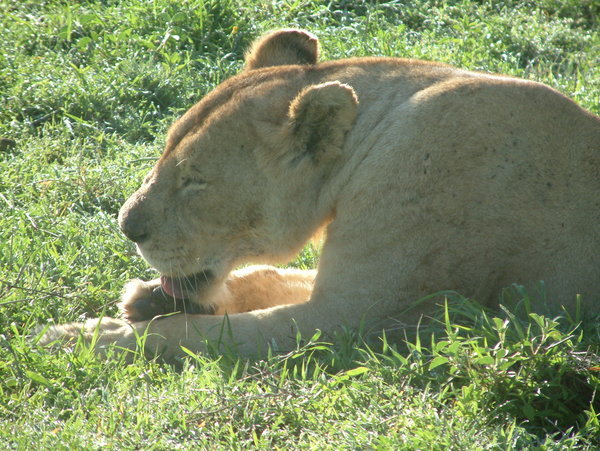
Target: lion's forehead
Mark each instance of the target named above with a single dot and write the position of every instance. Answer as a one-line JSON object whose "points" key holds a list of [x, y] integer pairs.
{"points": [[263, 94]]}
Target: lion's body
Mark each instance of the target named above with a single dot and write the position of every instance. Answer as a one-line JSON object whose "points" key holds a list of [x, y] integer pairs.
{"points": [[429, 178]]}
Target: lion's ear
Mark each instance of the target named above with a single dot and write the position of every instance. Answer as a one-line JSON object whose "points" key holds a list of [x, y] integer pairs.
{"points": [[288, 46], [319, 118]]}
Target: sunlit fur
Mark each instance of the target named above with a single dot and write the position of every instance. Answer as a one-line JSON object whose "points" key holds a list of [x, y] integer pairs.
{"points": [[428, 178]]}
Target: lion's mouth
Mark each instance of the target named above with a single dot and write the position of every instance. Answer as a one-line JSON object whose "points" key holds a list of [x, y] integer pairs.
{"points": [[185, 287]]}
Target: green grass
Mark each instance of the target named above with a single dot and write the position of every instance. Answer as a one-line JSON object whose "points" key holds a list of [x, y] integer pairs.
{"points": [[87, 90]]}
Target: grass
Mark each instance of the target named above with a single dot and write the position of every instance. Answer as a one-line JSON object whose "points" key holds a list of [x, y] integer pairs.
{"points": [[87, 91]]}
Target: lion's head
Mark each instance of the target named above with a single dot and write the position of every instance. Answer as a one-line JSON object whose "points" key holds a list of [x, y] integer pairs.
{"points": [[243, 171]]}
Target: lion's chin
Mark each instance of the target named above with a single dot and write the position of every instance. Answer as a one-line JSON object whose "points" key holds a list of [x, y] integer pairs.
{"points": [[186, 286]]}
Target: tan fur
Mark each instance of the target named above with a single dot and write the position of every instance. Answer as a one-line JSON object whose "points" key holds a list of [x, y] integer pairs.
{"points": [[430, 177], [281, 47], [251, 288]]}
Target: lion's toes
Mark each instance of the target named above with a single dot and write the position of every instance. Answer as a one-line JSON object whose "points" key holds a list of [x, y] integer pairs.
{"points": [[63, 334], [143, 301], [146, 308], [58, 335]]}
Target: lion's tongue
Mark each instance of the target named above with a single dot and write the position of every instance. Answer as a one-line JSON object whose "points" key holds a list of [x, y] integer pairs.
{"points": [[172, 287]]}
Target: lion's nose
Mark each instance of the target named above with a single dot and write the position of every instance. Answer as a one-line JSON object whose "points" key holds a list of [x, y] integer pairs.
{"points": [[132, 224]]}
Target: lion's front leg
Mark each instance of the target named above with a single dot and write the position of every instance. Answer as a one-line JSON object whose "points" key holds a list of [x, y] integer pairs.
{"points": [[260, 287], [252, 289], [244, 290]]}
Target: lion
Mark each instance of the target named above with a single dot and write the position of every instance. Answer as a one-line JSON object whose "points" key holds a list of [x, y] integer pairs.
{"points": [[425, 177]]}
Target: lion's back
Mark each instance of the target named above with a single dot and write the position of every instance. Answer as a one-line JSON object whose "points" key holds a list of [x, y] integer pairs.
{"points": [[493, 180]]}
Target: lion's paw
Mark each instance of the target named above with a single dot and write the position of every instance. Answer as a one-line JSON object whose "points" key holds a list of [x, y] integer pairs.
{"points": [[143, 301], [99, 331]]}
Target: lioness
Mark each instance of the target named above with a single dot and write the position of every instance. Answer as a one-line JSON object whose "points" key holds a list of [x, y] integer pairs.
{"points": [[427, 178]]}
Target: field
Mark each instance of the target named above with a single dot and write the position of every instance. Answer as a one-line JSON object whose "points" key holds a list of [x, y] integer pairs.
{"points": [[87, 91]]}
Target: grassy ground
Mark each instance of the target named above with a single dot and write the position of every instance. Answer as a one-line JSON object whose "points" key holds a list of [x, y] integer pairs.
{"points": [[87, 90]]}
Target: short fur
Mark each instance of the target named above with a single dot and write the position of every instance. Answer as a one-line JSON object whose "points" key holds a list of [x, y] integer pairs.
{"points": [[429, 178]]}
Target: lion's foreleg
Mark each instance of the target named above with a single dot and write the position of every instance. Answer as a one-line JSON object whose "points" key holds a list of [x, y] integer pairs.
{"points": [[244, 290], [261, 287]]}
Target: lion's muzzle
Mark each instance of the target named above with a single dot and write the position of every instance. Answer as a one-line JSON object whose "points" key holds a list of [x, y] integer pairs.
{"points": [[132, 219]]}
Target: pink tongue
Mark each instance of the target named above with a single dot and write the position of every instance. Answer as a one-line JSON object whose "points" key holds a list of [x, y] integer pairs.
{"points": [[172, 287]]}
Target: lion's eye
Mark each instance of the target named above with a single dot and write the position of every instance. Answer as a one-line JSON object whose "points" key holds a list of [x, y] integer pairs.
{"points": [[193, 183]]}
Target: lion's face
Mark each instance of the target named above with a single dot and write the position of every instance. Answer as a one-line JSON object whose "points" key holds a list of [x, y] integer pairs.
{"points": [[201, 208], [240, 176]]}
